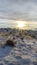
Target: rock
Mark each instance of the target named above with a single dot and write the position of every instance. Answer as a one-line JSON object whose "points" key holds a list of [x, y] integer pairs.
{"points": [[36, 51], [21, 38]]}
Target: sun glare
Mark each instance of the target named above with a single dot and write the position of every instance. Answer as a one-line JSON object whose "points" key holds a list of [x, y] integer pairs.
{"points": [[20, 24]]}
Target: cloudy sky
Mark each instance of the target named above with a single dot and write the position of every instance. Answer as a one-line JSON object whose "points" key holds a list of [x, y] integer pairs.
{"points": [[18, 10]]}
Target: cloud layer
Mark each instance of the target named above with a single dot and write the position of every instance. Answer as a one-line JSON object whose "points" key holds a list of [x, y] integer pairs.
{"points": [[18, 9]]}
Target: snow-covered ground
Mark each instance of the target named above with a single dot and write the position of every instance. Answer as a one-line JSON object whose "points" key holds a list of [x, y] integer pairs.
{"points": [[24, 53]]}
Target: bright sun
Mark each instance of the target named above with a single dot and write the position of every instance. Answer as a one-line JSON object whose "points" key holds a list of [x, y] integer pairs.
{"points": [[20, 24]]}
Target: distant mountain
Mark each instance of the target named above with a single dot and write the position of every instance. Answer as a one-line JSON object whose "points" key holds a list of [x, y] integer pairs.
{"points": [[8, 30], [5, 29]]}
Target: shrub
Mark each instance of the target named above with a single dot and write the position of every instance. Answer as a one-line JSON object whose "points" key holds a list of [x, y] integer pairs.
{"points": [[10, 43]]}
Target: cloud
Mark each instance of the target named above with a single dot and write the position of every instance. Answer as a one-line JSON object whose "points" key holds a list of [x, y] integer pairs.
{"points": [[18, 9]]}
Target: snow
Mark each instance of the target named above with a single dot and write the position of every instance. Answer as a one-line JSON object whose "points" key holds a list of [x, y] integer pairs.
{"points": [[24, 53]]}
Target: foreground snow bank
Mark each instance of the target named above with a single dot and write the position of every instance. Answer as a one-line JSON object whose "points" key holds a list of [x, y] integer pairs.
{"points": [[23, 54]]}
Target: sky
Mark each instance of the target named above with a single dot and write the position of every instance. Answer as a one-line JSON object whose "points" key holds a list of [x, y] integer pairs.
{"points": [[18, 10]]}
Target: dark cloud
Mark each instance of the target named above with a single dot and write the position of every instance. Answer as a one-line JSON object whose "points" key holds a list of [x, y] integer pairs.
{"points": [[18, 9]]}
